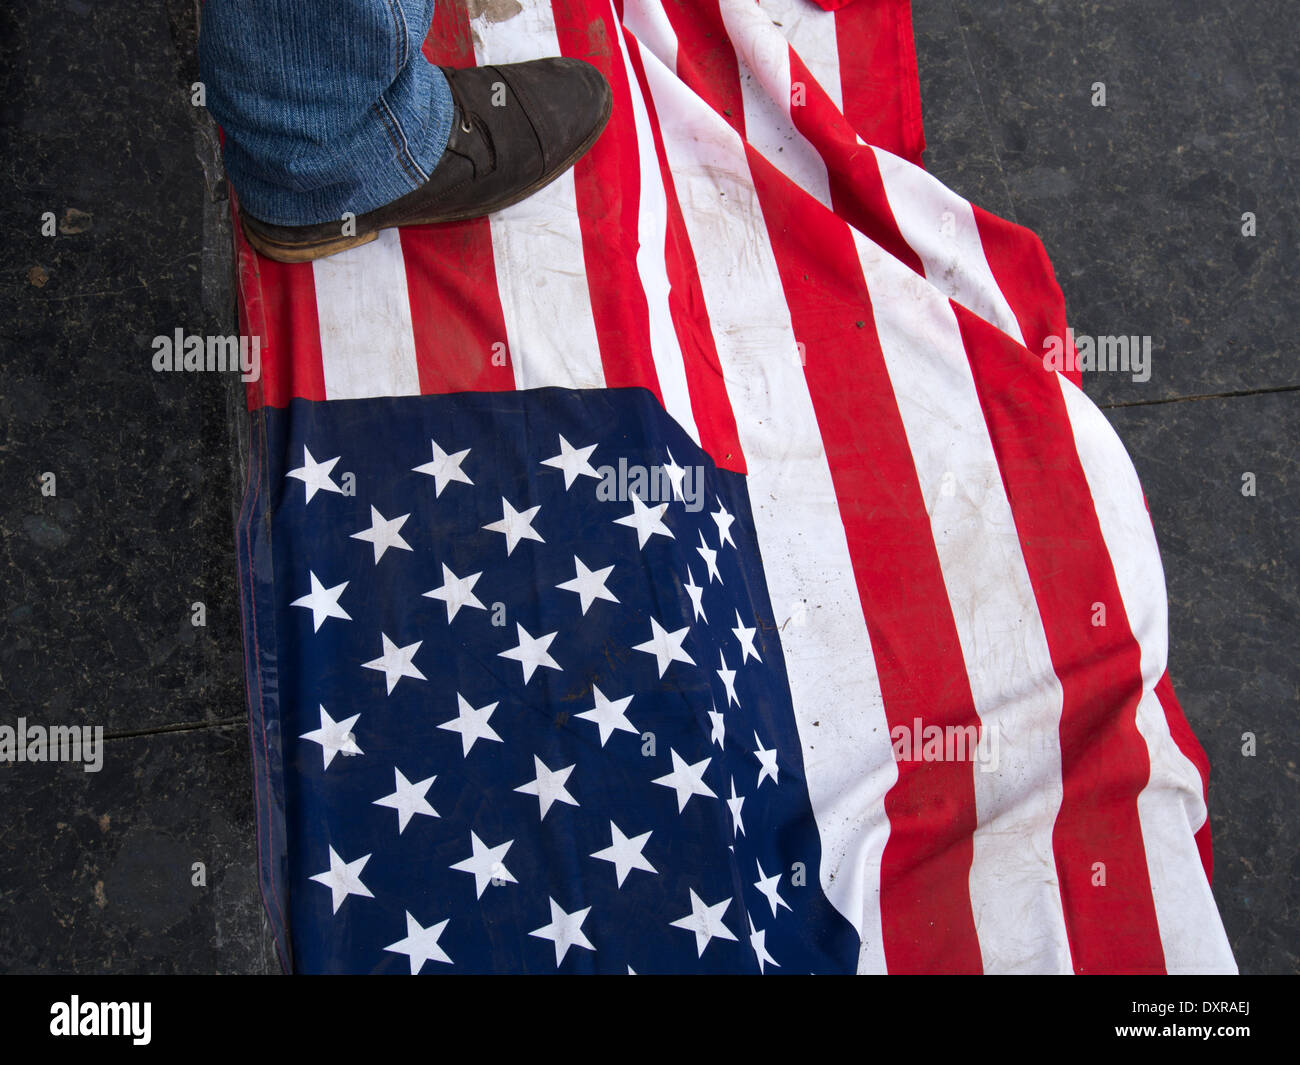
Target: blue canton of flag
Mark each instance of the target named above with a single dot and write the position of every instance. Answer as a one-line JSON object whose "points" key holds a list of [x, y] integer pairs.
{"points": [[532, 705]]}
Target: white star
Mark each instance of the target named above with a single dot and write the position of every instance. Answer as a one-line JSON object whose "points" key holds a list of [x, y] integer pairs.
{"points": [[323, 602], [589, 584], [444, 468], [646, 521], [724, 520], [334, 737], [710, 557], [756, 940], [456, 592], [624, 852], [719, 733], [515, 525], [734, 804], [395, 663], [697, 595], [408, 799], [665, 646], [548, 786], [565, 930], [675, 474], [420, 944], [769, 886], [344, 878], [686, 780], [531, 652], [573, 461], [705, 922], [315, 475], [767, 759], [471, 723], [608, 714], [728, 679], [383, 534], [486, 864], [746, 638]]}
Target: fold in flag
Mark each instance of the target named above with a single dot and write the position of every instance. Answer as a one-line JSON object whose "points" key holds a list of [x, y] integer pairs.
{"points": [[696, 567]]}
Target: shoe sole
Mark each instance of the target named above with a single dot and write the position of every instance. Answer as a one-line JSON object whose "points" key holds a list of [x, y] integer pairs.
{"points": [[309, 251]]}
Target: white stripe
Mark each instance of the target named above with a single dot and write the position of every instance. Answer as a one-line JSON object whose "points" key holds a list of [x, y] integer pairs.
{"points": [[647, 21], [812, 34], [1171, 808], [364, 309], [940, 227], [651, 261], [764, 57], [849, 766], [537, 244], [1014, 891]]}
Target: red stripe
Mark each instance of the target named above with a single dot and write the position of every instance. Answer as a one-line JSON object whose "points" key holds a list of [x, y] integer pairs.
{"points": [[1104, 760], [456, 318], [857, 189], [252, 312], [928, 925], [708, 64], [450, 41], [878, 76], [608, 184], [1187, 742], [706, 61], [457, 323], [710, 404], [1023, 272], [279, 305]]}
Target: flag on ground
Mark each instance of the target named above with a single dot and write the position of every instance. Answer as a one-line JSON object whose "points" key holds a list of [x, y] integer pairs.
{"points": [[697, 567]]}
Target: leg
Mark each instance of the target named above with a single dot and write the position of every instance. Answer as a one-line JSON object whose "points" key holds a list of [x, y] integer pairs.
{"points": [[328, 106]]}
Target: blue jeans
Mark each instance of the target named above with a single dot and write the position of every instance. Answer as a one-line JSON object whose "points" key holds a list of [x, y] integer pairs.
{"points": [[327, 106]]}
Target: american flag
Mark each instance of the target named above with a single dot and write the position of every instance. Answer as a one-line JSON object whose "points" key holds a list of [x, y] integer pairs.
{"points": [[596, 554]]}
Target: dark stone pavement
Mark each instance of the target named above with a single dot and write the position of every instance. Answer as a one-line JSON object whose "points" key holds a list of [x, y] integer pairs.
{"points": [[1139, 204], [98, 581]]}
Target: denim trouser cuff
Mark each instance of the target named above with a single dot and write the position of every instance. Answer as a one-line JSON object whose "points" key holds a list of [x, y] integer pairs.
{"points": [[327, 107]]}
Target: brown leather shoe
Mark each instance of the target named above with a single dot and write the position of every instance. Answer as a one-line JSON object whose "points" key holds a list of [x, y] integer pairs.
{"points": [[517, 127]]}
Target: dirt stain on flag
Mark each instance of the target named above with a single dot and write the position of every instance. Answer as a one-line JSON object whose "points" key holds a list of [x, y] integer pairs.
{"points": [[494, 10]]}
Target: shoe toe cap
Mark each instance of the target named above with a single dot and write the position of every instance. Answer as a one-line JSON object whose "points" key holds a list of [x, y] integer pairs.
{"points": [[568, 101]]}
